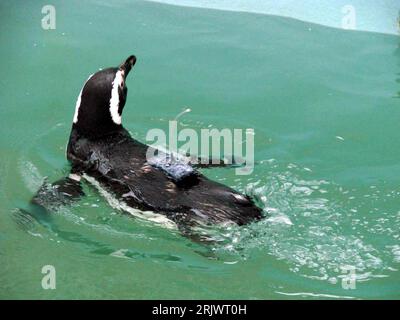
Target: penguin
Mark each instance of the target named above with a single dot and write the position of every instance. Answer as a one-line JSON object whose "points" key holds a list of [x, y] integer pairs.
{"points": [[100, 150]]}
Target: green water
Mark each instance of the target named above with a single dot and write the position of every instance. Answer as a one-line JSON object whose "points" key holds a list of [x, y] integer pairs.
{"points": [[325, 107]]}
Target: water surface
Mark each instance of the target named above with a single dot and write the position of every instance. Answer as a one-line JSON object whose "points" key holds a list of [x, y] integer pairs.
{"points": [[324, 104]]}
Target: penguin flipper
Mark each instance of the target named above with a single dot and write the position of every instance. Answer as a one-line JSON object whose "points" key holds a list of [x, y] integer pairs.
{"points": [[60, 193], [49, 198]]}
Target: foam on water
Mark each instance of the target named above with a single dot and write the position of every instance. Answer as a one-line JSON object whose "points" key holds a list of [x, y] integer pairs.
{"points": [[305, 227]]}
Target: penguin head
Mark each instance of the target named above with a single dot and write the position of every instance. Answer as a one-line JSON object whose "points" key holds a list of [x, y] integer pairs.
{"points": [[100, 103]]}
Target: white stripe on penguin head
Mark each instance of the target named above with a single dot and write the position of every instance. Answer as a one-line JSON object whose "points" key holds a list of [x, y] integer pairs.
{"points": [[78, 101], [114, 101]]}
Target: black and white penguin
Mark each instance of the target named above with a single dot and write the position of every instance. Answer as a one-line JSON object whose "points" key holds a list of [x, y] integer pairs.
{"points": [[102, 151]]}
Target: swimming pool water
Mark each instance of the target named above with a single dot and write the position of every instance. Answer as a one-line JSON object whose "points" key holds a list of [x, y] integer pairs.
{"points": [[324, 105]]}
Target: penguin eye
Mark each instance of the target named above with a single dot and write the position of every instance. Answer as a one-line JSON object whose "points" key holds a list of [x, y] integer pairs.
{"points": [[122, 84]]}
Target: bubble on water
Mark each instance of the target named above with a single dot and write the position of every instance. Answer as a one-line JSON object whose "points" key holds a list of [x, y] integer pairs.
{"points": [[321, 233], [186, 110], [280, 219], [396, 252]]}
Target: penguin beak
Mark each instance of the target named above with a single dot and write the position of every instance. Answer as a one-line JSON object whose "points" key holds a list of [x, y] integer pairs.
{"points": [[128, 64]]}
